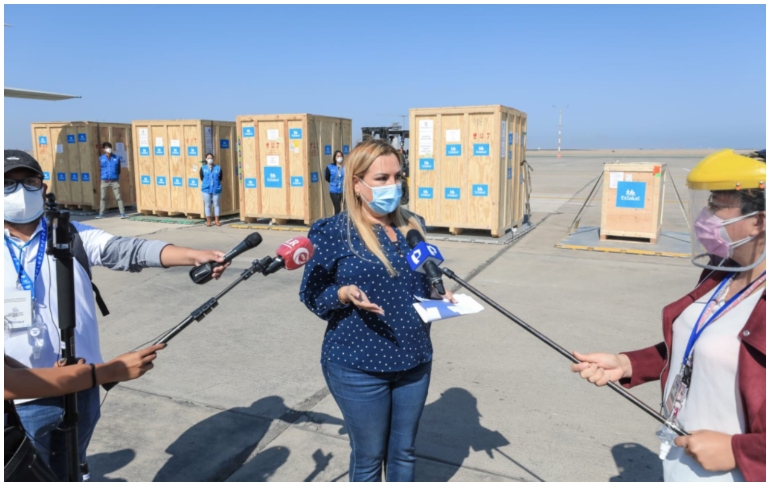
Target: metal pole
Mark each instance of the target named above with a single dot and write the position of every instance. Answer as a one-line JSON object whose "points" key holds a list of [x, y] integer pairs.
{"points": [[558, 145]]}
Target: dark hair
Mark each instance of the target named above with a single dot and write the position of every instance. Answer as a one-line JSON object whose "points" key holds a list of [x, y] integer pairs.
{"points": [[337, 152], [751, 200], [209, 154], [106, 144]]}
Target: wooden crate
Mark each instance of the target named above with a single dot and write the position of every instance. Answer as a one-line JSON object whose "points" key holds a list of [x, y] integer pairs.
{"points": [[466, 172], [283, 160], [68, 153], [169, 156], [632, 200]]}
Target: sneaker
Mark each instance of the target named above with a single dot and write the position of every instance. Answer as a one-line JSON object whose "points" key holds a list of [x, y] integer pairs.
{"points": [[123, 216], [99, 216]]}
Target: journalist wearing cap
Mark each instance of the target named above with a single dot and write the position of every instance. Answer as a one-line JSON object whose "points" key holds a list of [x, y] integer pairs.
{"points": [[711, 364], [376, 354], [32, 336]]}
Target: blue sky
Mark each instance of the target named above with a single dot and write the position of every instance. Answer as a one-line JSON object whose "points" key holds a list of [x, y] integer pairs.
{"points": [[634, 76]]}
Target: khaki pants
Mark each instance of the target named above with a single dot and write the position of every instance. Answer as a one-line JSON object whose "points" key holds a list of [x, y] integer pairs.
{"points": [[115, 185]]}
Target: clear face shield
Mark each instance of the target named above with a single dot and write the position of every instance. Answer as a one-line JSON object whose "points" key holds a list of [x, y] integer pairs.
{"points": [[712, 246]]}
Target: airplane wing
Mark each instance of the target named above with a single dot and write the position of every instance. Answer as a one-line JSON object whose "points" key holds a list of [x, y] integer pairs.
{"points": [[36, 95]]}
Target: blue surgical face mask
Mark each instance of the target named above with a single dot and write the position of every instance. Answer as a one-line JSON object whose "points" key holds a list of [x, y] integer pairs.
{"points": [[385, 199]]}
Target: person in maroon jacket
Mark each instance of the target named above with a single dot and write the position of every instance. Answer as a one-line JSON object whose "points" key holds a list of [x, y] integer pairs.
{"points": [[711, 363]]}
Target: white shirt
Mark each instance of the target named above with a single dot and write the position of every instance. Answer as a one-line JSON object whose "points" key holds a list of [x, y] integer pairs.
{"points": [[713, 401]]}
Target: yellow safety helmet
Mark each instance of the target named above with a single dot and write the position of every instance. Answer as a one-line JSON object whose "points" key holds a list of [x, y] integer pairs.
{"points": [[727, 171]]}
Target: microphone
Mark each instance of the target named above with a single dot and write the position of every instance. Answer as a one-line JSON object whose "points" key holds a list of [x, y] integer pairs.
{"points": [[203, 273], [425, 258], [291, 255]]}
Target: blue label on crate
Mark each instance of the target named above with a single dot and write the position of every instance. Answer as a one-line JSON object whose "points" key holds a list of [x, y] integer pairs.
{"points": [[631, 195], [274, 177], [61, 176], [510, 138], [510, 173], [327, 149], [481, 149], [224, 143], [295, 133], [296, 181], [248, 132], [146, 181], [159, 151], [46, 176], [192, 150], [426, 164], [481, 190], [176, 151], [176, 181], [82, 137], [74, 176], [346, 149], [144, 151], [85, 177], [70, 138], [425, 193], [251, 182], [192, 182], [452, 193], [454, 150], [160, 180], [314, 177], [510, 154], [42, 140]]}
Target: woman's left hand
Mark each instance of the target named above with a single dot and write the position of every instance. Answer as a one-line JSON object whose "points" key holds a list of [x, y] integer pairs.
{"points": [[448, 295], [712, 450]]}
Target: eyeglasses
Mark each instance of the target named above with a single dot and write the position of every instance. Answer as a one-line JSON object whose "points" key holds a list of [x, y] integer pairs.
{"points": [[34, 183]]}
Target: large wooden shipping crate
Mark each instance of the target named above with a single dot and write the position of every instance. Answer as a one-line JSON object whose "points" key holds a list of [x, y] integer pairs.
{"points": [[68, 153], [466, 171], [283, 160], [169, 155], [632, 200]]}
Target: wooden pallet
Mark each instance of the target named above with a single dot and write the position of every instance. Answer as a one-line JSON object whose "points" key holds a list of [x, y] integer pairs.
{"points": [[633, 239]]}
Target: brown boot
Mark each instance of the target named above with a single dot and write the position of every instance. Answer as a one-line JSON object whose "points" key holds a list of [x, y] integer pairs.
{"points": [[208, 221], [216, 221]]}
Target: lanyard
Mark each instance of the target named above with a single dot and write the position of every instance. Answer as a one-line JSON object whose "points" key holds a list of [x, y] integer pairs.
{"points": [[734, 301], [24, 280]]}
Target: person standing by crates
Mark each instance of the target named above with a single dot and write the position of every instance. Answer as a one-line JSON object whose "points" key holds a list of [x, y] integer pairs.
{"points": [[335, 174], [211, 188], [110, 175]]}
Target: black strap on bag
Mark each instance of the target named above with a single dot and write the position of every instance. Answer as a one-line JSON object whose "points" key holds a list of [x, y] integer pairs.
{"points": [[79, 252], [22, 460]]}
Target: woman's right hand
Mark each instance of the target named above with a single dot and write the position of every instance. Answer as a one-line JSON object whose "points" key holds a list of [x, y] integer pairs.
{"points": [[601, 368], [351, 294], [131, 366]]}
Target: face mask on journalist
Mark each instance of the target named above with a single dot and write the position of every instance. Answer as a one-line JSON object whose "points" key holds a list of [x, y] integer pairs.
{"points": [[23, 206], [385, 199], [710, 231]]}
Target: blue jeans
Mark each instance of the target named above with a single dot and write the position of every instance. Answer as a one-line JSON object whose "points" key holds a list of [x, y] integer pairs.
{"points": [[381, 412], [41, 419], [207, 200]]}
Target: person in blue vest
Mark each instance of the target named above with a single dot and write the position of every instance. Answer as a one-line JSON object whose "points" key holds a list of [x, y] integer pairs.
{"points": [[211, 187], [110, 164], [334, 176]]}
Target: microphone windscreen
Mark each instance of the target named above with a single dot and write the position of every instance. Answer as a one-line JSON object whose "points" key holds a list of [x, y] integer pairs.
{"points": [[253, 240], [413, 237], [296, 252]]}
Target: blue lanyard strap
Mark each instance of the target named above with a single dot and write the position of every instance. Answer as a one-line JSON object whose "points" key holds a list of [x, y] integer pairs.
{"points": [[24, 280], [696, 333]]}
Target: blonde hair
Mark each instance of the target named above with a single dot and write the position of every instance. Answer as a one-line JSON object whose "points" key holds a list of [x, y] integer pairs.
{"points": [[357, 164]]}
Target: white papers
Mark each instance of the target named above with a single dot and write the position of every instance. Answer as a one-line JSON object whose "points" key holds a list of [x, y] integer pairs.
{"points": [[272, 134], [59, 148], [158, 141], [436, 310], [615, 177], [453, 135], [209, 139], [630, 177], [273, 160], [144, 138], [175, 143], [426, 137]]}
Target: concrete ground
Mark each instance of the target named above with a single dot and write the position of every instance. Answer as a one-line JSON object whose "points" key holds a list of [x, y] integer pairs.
{"points": [[240, 395]]}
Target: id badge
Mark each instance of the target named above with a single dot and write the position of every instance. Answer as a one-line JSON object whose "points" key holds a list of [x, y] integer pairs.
{"points": [[676, 396], [18, 309]]}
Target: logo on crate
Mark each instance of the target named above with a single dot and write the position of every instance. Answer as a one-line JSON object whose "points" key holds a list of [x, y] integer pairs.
{"points": [[454, 150], [248, 132], [510, 154], [159, 150], [192, 150], [426, 164], [42, 140], [452, 193], [85, 177], [251, 183], [224, 143], [144, 151], [176, 181], [192, 182], [481, 149], [296, 181], [274, 177], [314, 177], [425, 193], [631, 195], [81, 137], [327, 149], [160, 180], [61, 176], [295, 133], [346, 149], [46, 176], [146, 181], [70, 138], [510, 173], [480, 190], [510, 138], [74, 176], [176, 151]]}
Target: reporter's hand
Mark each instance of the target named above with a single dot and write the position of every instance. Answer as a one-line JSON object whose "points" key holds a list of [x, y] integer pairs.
{"points": [[131, 366], [712, 450], [601, 368], [351, 294], [63, 362], [448, 295], [205, 256]]}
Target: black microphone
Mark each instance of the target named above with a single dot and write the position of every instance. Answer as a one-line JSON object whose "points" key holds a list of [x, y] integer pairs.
{"points": [[203, 273], [414, 238]]}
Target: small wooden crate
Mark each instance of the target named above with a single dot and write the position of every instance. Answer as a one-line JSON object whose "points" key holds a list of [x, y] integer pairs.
{"points": [[467, 172], [68, 153], [632, 200], [169, 156], [283, 160]]}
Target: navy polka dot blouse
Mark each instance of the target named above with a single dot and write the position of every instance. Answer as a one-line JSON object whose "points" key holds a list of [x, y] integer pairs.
{"points": [[397, 341]]}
